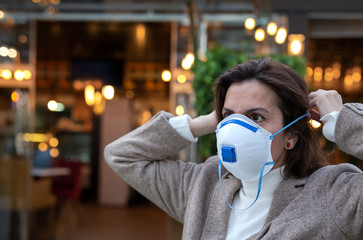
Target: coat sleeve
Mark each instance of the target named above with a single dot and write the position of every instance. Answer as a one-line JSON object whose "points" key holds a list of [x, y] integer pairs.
{"points": [[140, 158], [349, 129]]}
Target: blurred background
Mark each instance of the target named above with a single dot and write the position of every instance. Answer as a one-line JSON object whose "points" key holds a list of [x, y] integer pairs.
{"points": [[76, 75]]}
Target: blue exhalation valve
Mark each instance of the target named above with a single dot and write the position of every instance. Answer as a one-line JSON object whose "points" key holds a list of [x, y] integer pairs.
{"points": [[228, 154]]}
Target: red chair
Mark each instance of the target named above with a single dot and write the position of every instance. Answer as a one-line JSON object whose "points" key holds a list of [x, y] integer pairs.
{"points": [[68, 186], [68, 190]]}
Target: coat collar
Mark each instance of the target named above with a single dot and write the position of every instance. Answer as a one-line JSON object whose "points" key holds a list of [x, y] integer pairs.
{"points": [[287, 191]]}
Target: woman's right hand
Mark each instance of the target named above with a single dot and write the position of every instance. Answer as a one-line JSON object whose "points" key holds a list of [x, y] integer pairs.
{"points": [[325, 101], [204, 124]]}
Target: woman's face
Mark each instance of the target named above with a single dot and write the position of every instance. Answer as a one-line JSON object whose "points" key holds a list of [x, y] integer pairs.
{"points": [[258, 102]]}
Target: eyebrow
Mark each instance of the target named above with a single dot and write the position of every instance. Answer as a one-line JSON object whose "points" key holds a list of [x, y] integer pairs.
{"points": [[247, 111]]}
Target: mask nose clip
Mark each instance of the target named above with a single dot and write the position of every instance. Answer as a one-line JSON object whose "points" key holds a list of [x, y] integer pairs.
{"points": [[229, 154]]}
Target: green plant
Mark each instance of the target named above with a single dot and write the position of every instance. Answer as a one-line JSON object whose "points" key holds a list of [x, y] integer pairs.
{"points": [[219, 60]]}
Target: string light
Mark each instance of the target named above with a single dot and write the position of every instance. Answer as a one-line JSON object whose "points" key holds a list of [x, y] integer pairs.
{"points": [[12, 53], [108, 92], [318, 74], [260, 35], [250, 23], [271, 28], [52, 105], [42, 147], [179, 110], [19, 75], [166, 75], [4, 51], [187, 61], [281, 36], [54, 152], [53, 142], [15, 96], [6, 74], [328, 74], [181, 78], [89, 95]]}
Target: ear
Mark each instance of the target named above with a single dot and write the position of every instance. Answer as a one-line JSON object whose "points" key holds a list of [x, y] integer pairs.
{"points": [[290, 141]]}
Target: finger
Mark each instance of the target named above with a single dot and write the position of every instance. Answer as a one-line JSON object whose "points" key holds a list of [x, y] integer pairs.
{"points": [[312, 102], [314, 115], [312, 95]]}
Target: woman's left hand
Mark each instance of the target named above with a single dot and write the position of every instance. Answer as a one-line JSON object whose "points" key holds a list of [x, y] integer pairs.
{"points": [[326, 101]]}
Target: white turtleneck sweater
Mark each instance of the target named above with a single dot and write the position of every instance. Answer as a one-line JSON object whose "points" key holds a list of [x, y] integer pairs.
{"points": [[245, 223]]}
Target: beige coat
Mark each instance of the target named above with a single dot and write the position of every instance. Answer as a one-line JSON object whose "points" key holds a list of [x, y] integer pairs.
{"points": [[326, 205]]}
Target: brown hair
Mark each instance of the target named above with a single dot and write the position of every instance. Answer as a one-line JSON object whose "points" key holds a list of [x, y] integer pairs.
{"points": [[292, 100]]}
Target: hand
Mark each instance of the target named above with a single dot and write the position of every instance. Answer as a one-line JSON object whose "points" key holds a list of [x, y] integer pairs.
{"points": [[325, 101], [204, 124]]}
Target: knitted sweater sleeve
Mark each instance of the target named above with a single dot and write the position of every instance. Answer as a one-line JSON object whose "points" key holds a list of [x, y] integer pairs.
{"points": [[349, 129]]}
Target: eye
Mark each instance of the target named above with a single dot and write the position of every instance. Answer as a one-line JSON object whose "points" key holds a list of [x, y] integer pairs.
{"points": [[256, 118], [226, 114]]}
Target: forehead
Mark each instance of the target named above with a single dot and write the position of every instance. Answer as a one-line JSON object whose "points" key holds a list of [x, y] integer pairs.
{"points": [[250, 94]]}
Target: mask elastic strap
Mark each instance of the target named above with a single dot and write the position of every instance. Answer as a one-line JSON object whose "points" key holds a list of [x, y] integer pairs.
{"points": [[259, 185], [288, 125]]}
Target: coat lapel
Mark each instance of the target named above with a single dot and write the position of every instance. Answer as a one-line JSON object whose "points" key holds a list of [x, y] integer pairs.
{"points": [[285, 193], [218, 213]]}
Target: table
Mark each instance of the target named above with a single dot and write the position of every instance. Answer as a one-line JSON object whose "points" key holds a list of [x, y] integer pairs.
{"points": [[50, 172]]}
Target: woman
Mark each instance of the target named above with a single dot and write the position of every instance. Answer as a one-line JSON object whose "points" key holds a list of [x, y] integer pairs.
{"points": [[294, 195]]}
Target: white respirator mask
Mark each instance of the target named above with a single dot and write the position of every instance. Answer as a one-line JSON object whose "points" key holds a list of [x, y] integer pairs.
{"points": [[244, 148]]}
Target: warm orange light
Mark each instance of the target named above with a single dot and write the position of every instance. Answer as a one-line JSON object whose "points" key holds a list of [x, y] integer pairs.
{"points": [[271, 28], [6, 74], [250, 23], [53, 142], [22, 38], [296, 47], [129, 94], [260, 35], [54, 152], [281, 36], [27, 74], [179, 110], [15, 96], [4, 51], [348, 80], [108, 92], [19, 75], [187, 61], [89, 95], [78, 85], [314, 124], [318, 74], [356, 76], [166, 75], [140, 34], [99, 104], [34, 137], [296, 44], [42, 147], [55, 2], [12, 53], [145, 117], [52, 105], [328, 75], [181, 78]]}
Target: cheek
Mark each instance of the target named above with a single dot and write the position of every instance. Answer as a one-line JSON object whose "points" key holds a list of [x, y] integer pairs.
{"points": [[277, 148]]}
